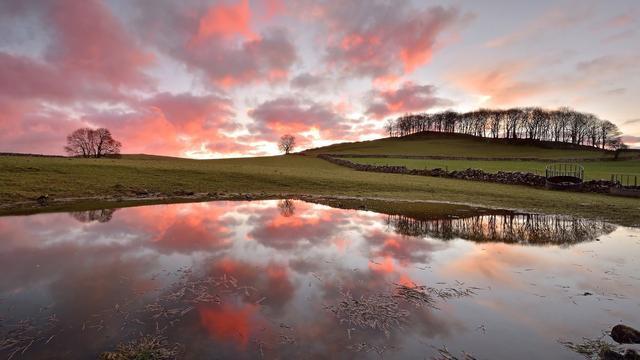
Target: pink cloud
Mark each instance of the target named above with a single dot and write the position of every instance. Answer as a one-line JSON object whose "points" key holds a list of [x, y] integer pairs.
{"points": [[502, 84], [380, 39], [27, 127], [23, 77], [168, 124], [407, 98], [89, 40], [218, 41], [174, 124], [288, 115], [224, 19]]}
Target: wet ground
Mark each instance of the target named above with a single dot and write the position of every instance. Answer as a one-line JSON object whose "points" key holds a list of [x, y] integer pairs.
{"points": [[291, 279]]}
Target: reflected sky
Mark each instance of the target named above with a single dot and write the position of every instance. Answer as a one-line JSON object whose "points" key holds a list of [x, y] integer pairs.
{"points": [[260, 279]]}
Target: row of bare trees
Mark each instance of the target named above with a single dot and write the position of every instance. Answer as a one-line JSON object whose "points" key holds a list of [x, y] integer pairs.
{"points": [[562, 125]]}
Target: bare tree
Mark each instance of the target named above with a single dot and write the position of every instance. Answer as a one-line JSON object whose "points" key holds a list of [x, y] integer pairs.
{"points": [[388, 127], [617, 146], [287, 143], [97, 143]]}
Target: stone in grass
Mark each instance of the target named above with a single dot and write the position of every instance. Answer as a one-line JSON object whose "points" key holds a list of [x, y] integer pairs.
{"points": [[43, 200], [623, 334]]}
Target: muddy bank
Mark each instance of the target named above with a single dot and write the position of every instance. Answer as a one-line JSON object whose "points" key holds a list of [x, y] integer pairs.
{"points": [[46, 204]]}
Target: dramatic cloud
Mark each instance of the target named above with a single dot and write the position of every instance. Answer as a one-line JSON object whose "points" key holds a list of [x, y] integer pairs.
{"points": [[210, 78], [409, 97], [89, 40], [218, 41], [502, 84], [89, 55], [383, 39], [288, 115], [175, 123], [223, 19], [27, 127]]}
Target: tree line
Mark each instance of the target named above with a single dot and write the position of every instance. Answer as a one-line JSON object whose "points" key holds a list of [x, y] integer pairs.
{"points": [[533, 123]]}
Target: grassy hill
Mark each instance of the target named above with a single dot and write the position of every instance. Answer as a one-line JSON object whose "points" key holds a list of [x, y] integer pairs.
{"points": [[26, 178], [456, 145], [478, 153]]}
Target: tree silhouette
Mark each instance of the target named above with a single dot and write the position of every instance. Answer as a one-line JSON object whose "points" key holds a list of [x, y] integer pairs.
{"points": [[526, 123], [97, 143], [287, 143]]}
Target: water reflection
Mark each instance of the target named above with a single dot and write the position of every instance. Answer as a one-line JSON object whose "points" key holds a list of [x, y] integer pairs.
{"points": [[287, 279], [287, 207], [530, 229], [101, 215]]}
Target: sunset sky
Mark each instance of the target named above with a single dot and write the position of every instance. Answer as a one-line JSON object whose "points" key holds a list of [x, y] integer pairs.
{"points": [[209, 79]]}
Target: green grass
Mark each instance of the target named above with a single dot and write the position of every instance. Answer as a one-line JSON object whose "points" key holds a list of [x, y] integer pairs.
{"points": [[593, 170], [456, 145], [25, 178]]}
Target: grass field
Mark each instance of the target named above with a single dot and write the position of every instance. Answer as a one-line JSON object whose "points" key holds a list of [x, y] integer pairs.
{"points": [[456, 145], [593, 170], [25, 178]]}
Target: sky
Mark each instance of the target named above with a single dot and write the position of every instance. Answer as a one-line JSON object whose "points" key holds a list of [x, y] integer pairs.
{"points": [[208, 79]]}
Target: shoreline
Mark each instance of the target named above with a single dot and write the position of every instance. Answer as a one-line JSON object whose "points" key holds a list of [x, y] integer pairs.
{"points": [[364, 203]]}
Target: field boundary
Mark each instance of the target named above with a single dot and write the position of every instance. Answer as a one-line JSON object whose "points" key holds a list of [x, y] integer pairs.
{"points": [[500, 177], [442, 157]]}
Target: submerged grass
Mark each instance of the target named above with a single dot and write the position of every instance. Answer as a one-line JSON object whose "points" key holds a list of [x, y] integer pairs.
{"points": [[294, 174], [591, 348], [148, 347]]}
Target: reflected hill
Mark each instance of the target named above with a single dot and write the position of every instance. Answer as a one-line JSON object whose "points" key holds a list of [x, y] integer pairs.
{"points": [[447, 221], [528, 229]]}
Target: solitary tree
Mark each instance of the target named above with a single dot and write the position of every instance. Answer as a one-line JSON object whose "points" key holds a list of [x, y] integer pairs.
{"points": [[87, 142], [617, 146], [287, 143]]}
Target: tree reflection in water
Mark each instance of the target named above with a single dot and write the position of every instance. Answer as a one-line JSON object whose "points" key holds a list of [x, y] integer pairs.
{"points": [[101, 215], [531, 229], [287, 207]]}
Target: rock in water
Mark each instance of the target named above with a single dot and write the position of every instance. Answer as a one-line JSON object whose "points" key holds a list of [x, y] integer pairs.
{"points": [[623, 334], [608, 354], [631, 355]]}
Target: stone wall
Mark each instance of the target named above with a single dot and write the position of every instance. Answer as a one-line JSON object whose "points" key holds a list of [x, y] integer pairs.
{"points": [[442, 157], [501, 177]]}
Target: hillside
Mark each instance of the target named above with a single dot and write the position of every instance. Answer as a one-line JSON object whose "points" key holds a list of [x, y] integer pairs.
{"points": [[458, 145], [24, 178]]}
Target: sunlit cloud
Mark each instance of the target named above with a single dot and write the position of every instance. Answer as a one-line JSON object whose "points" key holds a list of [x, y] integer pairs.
{"points": [[227, 78]]}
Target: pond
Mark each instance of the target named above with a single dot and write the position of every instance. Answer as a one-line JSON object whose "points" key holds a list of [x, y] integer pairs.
{"points": [[294, 279]]}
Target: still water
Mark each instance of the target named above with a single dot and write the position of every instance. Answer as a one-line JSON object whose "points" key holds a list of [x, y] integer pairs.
{"points": [[292, 279]]}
